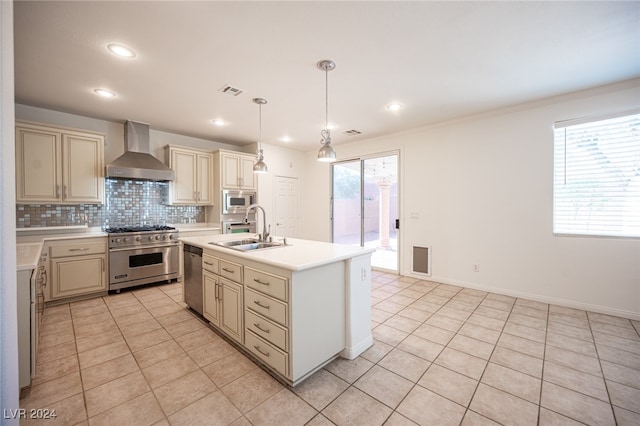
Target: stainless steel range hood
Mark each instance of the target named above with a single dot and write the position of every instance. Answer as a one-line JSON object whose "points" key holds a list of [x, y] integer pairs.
{"points": [[137, 162]]}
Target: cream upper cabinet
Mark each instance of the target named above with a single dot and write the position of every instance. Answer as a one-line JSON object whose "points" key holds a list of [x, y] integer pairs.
{"points": [[193, 169], [58, 166], [236, 170]]}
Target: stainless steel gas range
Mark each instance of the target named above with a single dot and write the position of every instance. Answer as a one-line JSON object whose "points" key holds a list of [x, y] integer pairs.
{"points": [[142, 255]]}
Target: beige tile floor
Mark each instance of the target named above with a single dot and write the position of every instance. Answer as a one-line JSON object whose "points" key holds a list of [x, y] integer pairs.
{"points": [[442, 355]]}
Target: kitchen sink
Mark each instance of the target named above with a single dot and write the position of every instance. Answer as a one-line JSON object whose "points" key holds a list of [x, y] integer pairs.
{"points": [[248, 244], [237, 242]]}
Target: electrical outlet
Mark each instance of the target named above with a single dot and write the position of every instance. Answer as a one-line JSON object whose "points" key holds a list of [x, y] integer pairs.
{"points": [[476, 267]]}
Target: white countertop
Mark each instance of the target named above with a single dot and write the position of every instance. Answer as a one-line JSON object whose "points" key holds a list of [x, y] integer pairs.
{"points": [[297, 255], [28, 255], [197, 227], [30, 241], [41, 234]]}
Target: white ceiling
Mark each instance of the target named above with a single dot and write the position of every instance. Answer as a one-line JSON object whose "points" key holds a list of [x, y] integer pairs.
{"points": [[441, 60]]}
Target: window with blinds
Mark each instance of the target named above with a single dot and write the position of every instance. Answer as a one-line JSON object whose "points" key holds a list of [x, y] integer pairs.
{"points": [[596, 182]]}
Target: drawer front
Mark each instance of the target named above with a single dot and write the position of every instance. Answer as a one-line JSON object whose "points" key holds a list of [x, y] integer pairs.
{"points": [[210, 263], [266, 283], [268, 353], [266, 329], [231, 270], [78, 249], [266, 306]]}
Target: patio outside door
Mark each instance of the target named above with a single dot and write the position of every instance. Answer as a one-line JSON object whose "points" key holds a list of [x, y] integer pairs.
{"points": [[365, 207]]}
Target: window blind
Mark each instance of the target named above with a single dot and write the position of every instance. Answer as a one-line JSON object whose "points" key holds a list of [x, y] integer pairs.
{"points": [[596, 182]]}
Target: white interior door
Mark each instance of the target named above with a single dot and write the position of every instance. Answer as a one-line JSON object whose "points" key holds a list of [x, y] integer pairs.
{"points": [[286, 207]]}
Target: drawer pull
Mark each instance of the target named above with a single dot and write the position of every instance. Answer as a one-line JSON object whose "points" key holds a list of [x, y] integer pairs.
{"points": [[259, 327], [260, 282], [231, 271], [257, 302], [208, 263], [257, 348], [79, 249]]}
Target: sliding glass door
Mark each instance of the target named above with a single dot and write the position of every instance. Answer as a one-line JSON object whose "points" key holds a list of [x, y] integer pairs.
{"points": [[365, 207]]}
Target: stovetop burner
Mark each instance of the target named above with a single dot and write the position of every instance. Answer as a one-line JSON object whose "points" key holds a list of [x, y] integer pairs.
{"points": [[142, 228]]}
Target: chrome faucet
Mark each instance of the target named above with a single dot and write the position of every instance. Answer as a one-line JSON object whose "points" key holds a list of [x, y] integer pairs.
{"points": [[265, 233]]}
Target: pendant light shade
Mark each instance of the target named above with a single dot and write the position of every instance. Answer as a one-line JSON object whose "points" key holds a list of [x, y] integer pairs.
{"points": [[326, 152], [260, 166]]}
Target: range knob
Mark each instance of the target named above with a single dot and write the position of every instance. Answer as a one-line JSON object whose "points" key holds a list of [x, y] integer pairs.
{"points": [[126, 239], [138, 238], [150, 237], [171, 237], [117, 240], [165, 237], [157, 237]]}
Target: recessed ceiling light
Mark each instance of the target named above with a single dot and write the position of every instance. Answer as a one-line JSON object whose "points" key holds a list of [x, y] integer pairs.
{"points": [[285, 138], [120, 50], [331, 126], [394, 107], [104, 93], [218, 122]]}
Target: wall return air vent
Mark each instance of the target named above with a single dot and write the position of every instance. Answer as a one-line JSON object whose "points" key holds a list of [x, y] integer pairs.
{"points": [[352, 132], [421, 262], [230, 90]]}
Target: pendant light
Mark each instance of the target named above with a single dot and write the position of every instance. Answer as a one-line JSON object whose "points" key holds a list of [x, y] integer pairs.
{"points": [[326, 153], [260, 166]]}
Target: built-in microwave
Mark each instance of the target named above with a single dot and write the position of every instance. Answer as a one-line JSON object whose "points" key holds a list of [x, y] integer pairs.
{"points": [[235, 202]]}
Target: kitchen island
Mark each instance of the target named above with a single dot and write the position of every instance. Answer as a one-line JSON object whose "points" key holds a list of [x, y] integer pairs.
{"points": [[294, 307]]}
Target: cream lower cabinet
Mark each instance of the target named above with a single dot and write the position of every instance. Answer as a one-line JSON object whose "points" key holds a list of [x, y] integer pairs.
{"points": [[266, 318], [77, 268], [293, 322], [223, 298], [58, 166]]}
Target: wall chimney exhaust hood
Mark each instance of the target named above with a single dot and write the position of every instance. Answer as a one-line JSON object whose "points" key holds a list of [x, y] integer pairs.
{"points": [[137, 161]]}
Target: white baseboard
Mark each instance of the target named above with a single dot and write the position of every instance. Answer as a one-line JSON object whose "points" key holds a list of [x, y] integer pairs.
{"points": [[537, 297], [354, 351]]}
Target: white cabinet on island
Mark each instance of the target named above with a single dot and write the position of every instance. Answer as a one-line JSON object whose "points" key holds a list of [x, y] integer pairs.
{"points": [[303, 304]]}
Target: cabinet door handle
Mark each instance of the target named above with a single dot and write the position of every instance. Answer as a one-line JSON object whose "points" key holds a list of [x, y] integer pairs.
{"points": [[57, 191], [40, 303], [231, 271], [260, 282], [79, 249], [259, 327], [102, 261], [257, 302], [217, 292], [257, 348], [65, 191]]}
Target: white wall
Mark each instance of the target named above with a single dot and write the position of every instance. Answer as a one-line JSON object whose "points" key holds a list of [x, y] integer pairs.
{"points": [[483, 191], [9, 387], [281, 162]]}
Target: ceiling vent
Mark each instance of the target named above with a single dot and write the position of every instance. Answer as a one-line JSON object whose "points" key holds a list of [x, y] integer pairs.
{"points": [[230, 90], [352, 132]]}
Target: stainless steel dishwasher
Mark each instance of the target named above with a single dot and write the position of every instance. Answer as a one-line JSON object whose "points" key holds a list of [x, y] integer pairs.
{"points": [[193, 277]]}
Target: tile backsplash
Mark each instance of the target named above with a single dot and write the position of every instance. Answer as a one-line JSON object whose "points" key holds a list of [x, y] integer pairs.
{"points": [[127, 202]]}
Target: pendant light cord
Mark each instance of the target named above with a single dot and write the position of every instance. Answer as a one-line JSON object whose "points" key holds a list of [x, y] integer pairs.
{"points": [[326, 76], [260, 126]]}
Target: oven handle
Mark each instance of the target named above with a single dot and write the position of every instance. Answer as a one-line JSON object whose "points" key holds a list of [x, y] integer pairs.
{"points": [[111, 250]]}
